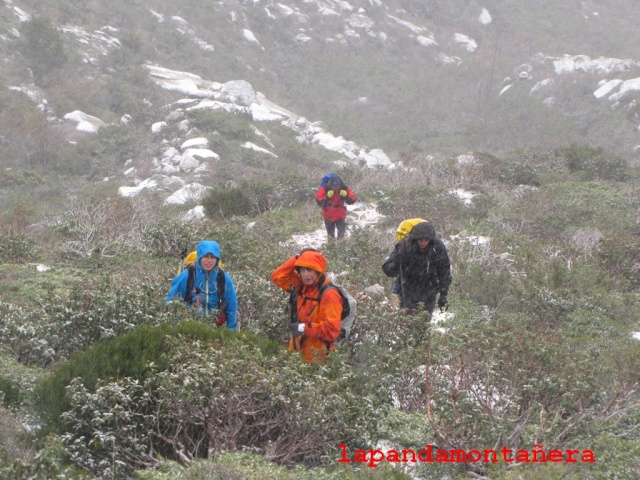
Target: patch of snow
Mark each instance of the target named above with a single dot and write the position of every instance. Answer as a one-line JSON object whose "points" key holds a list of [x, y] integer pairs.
{"points": [[253, 146], [195, 143], [607, 88], [250, 37], [468, 43], [425, 42], [414, 28], [202, 153], [505, 88], [375, 158], [158, 126], [194, 214], [85, 123], [190, 192], [463, 195], [635, 335], [485, 17], [134, 191]]}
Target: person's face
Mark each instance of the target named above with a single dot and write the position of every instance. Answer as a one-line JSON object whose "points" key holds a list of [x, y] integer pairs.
{"points": [[308, 276], [423, 243], [208, 262]]}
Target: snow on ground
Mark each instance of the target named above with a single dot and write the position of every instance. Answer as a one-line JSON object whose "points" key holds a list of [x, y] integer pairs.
{"points": [[635, 335], [361, 215]]}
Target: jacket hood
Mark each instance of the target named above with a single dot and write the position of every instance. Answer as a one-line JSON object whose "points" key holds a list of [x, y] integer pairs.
{"points": [[423, 230], [332, 179], [208, 246], [313, 260]]}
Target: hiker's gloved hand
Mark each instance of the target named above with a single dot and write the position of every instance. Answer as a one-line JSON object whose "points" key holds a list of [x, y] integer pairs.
{"points": [[343, 193], [296, 329], [330, 194], [442, 301]]}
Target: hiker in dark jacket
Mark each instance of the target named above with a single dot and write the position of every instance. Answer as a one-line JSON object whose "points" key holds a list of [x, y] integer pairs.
{"points": [[205, 297], [421, 262], [332, 196]]}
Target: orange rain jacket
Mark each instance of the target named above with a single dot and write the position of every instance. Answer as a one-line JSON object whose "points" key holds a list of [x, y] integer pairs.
{"points": [[322, 319]]}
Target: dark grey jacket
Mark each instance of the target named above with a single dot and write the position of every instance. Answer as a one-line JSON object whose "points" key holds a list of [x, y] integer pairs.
{"points": [[424, 273]]}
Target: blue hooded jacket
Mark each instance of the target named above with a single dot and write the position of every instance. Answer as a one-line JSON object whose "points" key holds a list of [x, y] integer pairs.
{"points": [[206, 286]]}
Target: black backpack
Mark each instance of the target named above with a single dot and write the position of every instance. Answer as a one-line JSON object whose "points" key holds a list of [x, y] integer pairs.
{"points": [[220, 282]]}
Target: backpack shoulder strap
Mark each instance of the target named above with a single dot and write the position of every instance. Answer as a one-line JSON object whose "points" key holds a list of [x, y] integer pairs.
{"points": [[323, 288], [220, 282], [191, 280]]}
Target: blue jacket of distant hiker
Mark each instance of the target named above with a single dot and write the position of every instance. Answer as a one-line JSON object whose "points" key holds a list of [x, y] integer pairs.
{"points": [[205, 289]]}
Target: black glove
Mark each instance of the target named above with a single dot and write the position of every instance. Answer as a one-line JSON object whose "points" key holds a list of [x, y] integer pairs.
{"points": [[442, 301], [295, 331]]}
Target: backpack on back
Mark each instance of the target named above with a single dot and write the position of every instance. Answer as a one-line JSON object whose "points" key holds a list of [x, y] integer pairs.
{"points": [[348, 314], [406, 226]]}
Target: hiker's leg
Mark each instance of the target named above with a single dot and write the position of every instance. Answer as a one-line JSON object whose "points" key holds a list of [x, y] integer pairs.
{"points": [[342, 227], [331, 228]]}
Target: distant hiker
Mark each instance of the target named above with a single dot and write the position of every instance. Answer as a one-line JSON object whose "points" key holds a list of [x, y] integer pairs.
{"points": [[314, 325], [421, 262], [332, 196], [205, 287]]}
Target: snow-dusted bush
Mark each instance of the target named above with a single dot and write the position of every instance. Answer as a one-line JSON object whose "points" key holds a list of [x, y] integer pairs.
{"points": [[229, 392]]}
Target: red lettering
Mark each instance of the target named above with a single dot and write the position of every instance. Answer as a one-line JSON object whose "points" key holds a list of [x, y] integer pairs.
{"points": [[588, 456], [494, 455], [428, 459], [506, 451], [344, 458], [458, 456], [474, 455], [375, 460], [442, 456], [543, 457], [570, 455], [360, 456], [392, 456], [522, 456], [404, 455], [554, 456]]}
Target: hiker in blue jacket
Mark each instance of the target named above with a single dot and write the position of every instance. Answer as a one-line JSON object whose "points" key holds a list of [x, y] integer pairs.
{"points": [[207, 278]]}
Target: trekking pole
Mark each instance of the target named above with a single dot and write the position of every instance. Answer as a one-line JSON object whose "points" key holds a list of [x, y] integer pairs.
{"points": [[182, 258], [401, 287], [293, 316]]}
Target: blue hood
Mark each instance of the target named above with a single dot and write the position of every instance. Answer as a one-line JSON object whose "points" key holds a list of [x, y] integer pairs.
{"points": [[208, 246]]}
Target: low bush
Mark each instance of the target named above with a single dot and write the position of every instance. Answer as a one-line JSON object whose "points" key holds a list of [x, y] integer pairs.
{"points": [[190, 390]]}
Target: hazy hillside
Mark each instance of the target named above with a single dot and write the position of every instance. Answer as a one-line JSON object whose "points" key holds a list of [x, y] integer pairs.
{"points": [[131, 130], [386, 74]]}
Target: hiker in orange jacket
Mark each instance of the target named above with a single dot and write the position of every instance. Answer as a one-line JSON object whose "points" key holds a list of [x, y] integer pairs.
{"points": [[317, 325], [332, 196]]}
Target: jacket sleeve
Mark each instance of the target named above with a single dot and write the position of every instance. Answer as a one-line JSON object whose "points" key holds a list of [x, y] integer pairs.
{"points": [[231, 300], [321, 197], [327, 328], [178, 287], [443, 268], [350, 199], [391, 267], [285, 275]]}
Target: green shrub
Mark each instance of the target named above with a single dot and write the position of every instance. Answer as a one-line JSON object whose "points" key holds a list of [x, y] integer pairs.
{"points": [[127, 355], [9, 391], [192, 390], [18, 249], [43, 47], [593, 163]]}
